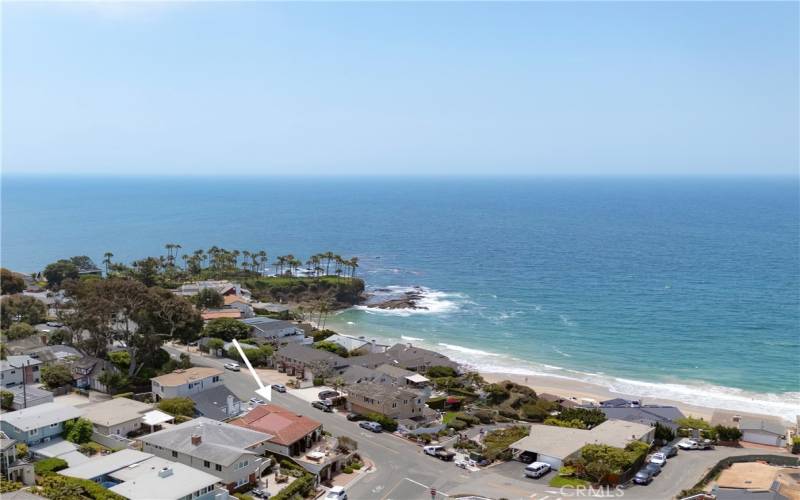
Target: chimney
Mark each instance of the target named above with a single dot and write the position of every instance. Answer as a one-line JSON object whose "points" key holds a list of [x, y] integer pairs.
{"points": [[165, 472], [196, 439]]}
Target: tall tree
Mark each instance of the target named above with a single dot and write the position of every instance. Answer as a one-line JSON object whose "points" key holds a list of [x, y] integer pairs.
{"points": [[107, 260], [58, 272]]}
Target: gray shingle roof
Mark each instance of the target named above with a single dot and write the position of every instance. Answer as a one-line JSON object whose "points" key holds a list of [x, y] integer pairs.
{"points": [[268, 326], [305, 354], [213, 403], [220, 443], [650, 415]]}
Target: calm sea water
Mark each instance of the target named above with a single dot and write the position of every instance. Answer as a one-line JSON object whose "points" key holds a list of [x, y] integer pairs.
{"points": [[680, 288]]}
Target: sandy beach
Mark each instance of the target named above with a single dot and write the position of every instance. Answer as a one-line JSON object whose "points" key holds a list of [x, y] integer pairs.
{"points": [[579, 390]]}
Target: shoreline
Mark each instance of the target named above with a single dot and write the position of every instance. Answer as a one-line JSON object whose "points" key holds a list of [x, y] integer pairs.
{"points": [[572, 387]]}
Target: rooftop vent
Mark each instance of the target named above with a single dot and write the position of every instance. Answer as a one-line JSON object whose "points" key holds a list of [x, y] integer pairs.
{"points": [[165, 472], [196, 439]]}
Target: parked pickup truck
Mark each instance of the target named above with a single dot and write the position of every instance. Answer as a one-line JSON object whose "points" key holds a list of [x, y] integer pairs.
{"points": [[439, 452]]}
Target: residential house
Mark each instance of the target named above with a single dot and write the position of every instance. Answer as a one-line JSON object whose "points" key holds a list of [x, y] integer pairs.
{"points": [[356, 374], [38, 424], [217, 403], [401, 376], [16, 370], [209, 314], [386, 399], [275, 330], [175, 481], [118, 416], [651, 415], [59, 353], [143, 476], [754, 481], [89, 371], [307, 362], [222, 287], [404, 356], [357, 345], [227, 451], [240, 303], [297, 437], [25, 344], [755, 429], [559, 400], [185, 382], [292, 434], [554, 445], [11, 467], [29, 395]]}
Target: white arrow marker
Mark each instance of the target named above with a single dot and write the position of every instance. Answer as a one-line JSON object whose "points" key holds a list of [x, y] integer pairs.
{"points": [[264, 392]]}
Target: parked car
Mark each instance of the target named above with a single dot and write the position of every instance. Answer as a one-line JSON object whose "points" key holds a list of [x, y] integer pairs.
{"points": [[658, 459], [260, 493], [320, 405], [643, 477], [654, 469], [55, 324], [526, 457], [692, 444], [232, 367], [371, 426], [669, 450], [256, 401], [327, 394], [279, 387], [355, 417], [336, 493], [439, 452], [537, 470]]}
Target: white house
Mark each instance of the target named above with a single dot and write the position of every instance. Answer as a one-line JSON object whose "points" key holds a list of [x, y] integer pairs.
{"points": [[117, 416], [554, 445], [185, 382], [275, 330]]}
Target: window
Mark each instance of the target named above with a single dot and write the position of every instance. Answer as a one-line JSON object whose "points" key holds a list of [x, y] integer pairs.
{"points": [[405, 401], [394, 405], [54, 425], [33, 432], [215, 378], [218, 467], [206, 464], [241, 482], [175, 454]]}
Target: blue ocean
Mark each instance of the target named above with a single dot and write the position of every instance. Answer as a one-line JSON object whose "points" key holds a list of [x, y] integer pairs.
{"points": [[679, 288]]}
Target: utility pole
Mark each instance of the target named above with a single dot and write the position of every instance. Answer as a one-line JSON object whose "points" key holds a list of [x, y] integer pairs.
{"points": [[25, 384]]}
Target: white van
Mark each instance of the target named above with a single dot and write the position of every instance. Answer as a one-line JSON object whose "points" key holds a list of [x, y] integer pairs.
{"points": [[537, 470]]}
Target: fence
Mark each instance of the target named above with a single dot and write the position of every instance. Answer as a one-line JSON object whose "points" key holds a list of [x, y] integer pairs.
{"points": [[783, 460], [113, 442]]}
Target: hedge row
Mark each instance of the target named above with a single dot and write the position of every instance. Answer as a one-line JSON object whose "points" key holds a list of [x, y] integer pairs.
{"points": [[299, 488]]}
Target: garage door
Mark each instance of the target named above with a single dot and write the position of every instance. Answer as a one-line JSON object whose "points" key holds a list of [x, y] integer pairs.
{"points": [[761, 438], [555, 463]]}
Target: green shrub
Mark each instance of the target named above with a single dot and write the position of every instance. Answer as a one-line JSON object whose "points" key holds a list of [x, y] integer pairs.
{"points": [[68, 488], [91, 448], [332, 347], [356, 465], [242, 496], [347, 470], [128, 395], [485, 416], [49, 466], [496, 442], [78, 431], [728, 433], [437, 403], [6, 400], [388, 423], [22, 450], [9, 486], [458, 425], [590, 417], [440, 371], [300, 487], [466, 417], [180, 419], [573, 424], [177, 406]]}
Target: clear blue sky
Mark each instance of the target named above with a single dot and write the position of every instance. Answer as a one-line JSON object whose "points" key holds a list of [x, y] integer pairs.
{"points": [[386, 88]]}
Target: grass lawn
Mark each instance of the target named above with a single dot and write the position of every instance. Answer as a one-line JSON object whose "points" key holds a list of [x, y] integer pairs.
{"points": [[568, 482], [449, 417]]}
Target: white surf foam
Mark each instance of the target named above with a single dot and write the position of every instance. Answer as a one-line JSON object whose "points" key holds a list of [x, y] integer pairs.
{"points": [[409, 338], [430, 301], [467, 350]]}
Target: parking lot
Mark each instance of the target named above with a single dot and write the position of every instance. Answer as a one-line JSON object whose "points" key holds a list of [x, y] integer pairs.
{"points": [[516, 470]]}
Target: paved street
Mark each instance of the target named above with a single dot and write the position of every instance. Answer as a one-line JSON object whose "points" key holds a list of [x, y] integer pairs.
{"points": [[403, 472]]}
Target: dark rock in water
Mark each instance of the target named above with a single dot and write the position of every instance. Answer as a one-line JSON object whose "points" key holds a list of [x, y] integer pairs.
{"points": [[407, 301]]}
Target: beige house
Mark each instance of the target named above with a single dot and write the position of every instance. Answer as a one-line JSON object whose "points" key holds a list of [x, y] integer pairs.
{"points": [[229, 452], [386, 399], [117, 416], [185, 382]]}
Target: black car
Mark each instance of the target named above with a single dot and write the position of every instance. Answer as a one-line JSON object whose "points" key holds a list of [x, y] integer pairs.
{"points": [[355, 417], [643, 477], [319, 405], [653, 469], [527, 457], [327, 394], [669, 451]]}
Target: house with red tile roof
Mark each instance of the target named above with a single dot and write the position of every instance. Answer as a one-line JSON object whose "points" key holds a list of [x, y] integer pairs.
{"points": [[292, 434]]}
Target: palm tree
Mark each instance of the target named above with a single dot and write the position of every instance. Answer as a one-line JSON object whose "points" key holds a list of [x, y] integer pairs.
{"points": [[263, 258], [329, 256], [177, 248], [185, 258], [107, 260], [353, 266]]}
